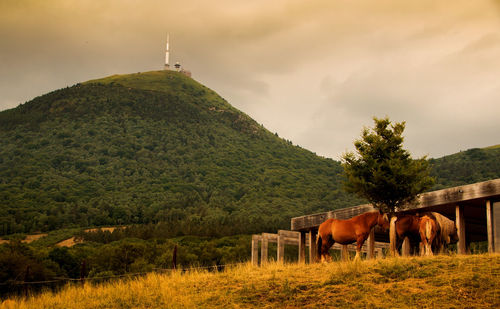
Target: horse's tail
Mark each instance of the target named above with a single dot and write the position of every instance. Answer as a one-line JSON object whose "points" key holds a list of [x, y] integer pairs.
{"points": [[318, 246], [428, 229], [392, 234]]}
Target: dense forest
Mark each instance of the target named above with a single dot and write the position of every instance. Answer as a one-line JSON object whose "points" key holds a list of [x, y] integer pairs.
{"points": [[153, 147], [171, 161], [465, 167], [159, 147]]}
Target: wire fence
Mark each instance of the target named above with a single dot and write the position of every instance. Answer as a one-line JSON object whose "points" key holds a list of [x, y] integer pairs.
{"points": [[21, 287]]}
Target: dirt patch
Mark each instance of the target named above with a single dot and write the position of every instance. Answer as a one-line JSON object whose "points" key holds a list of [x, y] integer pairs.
{"points": [[34, 237], [109, 229], [73, 241], [69, 242], [27, 240]]}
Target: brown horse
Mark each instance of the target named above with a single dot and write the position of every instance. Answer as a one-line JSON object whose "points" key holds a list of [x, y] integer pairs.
{"points": [[402, 226], [428, 233], [348, 231], [446, 231]]}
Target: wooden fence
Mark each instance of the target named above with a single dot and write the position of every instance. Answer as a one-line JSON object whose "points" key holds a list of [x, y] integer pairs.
{"points": [[303, 241]]}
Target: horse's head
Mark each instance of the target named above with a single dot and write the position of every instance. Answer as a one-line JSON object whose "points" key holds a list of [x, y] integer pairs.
{"points": [[454, 235], [383, 221]]}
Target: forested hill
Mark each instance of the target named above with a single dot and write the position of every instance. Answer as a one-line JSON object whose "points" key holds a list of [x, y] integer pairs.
{"points": [[466, 167], [160, 147], [153, 147]]}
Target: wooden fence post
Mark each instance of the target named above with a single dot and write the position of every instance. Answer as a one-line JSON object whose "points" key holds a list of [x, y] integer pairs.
{"points": [[392, 237], [281, 249], [174, 258], [26, 278], [312, 246], [460, 223], [255, 249], [302, 247], [405, 249], [83, 271], [264, 249], [344, 253], [489, 227], [496, 225]]}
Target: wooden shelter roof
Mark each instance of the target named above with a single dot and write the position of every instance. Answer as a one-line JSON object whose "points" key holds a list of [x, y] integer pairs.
{"points": [[473, 197]]}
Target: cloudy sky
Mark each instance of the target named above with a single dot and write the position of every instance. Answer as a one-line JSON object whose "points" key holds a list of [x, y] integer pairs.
{"points": [[315, 72]]}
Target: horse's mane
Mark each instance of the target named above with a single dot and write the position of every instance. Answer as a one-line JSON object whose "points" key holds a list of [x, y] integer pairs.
{"points": [[400, 216], [367, 214]]}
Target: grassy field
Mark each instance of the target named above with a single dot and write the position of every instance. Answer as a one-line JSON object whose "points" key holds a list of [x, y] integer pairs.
{"points": [[421, 282]]}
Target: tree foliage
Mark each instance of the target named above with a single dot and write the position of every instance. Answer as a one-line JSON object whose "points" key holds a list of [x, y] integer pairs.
{"points": [[383, 172], [150, 148], [158, 147]]}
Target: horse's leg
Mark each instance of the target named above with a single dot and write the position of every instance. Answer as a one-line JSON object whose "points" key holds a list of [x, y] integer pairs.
{"points": [[412, 246], [328, 257], [397, 246], [325, 247], [360, 240], [423, 248], [400, 237], [415, 245], [431, 241], [442, 246]]}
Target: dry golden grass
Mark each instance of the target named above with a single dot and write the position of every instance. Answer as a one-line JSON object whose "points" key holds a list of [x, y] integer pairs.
{"points": [[421, 282]]}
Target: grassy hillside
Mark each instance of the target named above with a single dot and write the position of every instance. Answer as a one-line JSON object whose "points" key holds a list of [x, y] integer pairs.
{"points": [[423, 282], [493, 147], [153, 147], [466, 167]]}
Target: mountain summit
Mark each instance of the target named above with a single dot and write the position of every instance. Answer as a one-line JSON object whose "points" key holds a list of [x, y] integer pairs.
{"points": [[153, 147]]}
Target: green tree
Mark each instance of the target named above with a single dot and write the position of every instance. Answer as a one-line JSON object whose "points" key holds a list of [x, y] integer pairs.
{"points": [[382, 171]]}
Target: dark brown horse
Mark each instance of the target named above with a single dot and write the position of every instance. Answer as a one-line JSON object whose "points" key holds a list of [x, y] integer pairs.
{"points": [[402, 226], [348, 231]]}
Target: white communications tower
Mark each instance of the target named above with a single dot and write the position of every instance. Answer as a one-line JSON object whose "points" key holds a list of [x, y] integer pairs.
{"points": [[167, 64], [177, 65]]}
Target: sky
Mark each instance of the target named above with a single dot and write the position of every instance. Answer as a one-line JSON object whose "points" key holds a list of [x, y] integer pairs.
{"points": [[315, 72]]}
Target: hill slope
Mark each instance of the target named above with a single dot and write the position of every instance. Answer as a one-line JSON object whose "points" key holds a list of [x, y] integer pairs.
{"points": [[160, 147], [153, 147], [422, 282], [466, 167]]}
